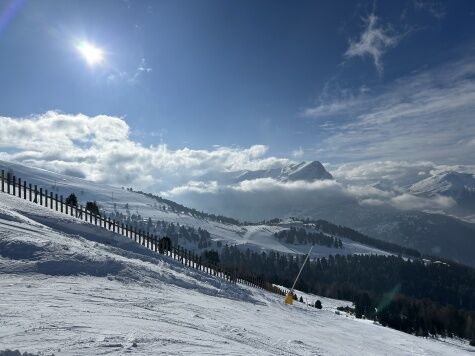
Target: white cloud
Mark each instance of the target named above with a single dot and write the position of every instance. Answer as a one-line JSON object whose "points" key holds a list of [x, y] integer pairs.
{"points": [[373, 42], [99, 148], [411, 202]]}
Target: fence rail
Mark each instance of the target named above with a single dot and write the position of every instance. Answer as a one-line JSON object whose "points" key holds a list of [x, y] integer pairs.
{"points": [[19, 188]]}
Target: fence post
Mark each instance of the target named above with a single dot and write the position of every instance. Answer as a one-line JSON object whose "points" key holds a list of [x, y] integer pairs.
{"points": [[41, 196], [51, 200], [3, 181], [61, 201], [14, 185], [19, 187], [56, 201], [46, 197], [29, 193], [8, 182], [24, 189]]}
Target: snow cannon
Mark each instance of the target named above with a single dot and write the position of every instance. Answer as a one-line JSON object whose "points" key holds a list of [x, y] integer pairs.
{"points": [[289, 299], [289, 296]]}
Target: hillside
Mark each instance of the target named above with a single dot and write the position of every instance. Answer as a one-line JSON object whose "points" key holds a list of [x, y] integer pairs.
{"points": [[138, 208], [68, 287]]}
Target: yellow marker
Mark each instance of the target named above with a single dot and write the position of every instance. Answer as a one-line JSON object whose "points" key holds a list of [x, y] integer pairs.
{"points": [[289, 299]]}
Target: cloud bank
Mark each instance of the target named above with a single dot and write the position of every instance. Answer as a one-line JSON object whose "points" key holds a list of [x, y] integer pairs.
{"points": [[100, 148]]}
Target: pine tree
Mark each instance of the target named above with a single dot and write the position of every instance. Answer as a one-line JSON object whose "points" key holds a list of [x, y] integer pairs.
{"points": [[92, 207], [318, 304], [301, 299], [72, 200]]}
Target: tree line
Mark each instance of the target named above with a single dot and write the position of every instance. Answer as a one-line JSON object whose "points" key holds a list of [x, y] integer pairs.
{"points": [[302, 236], [409, 295]]}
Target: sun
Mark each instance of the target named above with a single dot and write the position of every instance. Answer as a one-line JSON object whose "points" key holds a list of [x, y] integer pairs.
{"points": [[92, 54]]}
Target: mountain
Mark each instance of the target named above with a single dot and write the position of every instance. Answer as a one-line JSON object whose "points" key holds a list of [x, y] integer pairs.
{"points": [[68, 287], [306, 171], [459, 186]]}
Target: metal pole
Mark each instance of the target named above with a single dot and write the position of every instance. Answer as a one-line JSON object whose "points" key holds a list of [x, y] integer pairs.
{"points": [[301, 268]]}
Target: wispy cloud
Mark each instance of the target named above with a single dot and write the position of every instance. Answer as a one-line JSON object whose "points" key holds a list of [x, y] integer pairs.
{"points": [[374, 41], [130, 77], [434, 7], [427, 115], [298, 153], [142, 69]]}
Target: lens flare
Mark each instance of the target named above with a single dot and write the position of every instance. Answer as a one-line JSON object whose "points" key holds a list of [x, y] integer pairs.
{"points": [[92, 54]]}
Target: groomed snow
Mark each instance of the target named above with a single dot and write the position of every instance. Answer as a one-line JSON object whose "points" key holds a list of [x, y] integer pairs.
{"points": [[69, 288]]}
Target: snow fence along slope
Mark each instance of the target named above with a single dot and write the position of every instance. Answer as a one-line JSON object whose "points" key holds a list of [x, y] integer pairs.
{"points": [[65, 294]]}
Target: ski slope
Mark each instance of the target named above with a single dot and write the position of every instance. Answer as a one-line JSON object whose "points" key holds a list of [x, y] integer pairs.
{"points": [[109, 198], [70, 288]]}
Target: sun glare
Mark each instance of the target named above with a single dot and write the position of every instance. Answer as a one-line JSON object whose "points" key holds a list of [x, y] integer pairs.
{"points": [[92, 54]]}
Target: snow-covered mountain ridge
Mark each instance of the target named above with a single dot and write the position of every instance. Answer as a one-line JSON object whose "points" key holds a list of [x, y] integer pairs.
{"points": [[306, 171], [450, 183]]}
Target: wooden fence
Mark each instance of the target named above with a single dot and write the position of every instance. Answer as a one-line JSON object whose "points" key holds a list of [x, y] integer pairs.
{"points": [[20, 188]]}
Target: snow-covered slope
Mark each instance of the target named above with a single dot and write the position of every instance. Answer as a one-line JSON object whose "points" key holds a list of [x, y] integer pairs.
{"points": [[307, 171], [110, 199], [70, 288]]}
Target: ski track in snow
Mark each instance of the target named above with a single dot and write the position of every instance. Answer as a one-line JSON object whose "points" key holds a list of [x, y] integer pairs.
{"points": [[70, 288]]}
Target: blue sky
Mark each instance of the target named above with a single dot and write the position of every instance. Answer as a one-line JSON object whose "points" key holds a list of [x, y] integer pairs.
{"points": [[227, 73], [176, 97]]}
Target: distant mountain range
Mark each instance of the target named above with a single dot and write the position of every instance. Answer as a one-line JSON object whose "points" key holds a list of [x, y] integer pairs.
{"points": [[433, 232], [306, 171]]}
